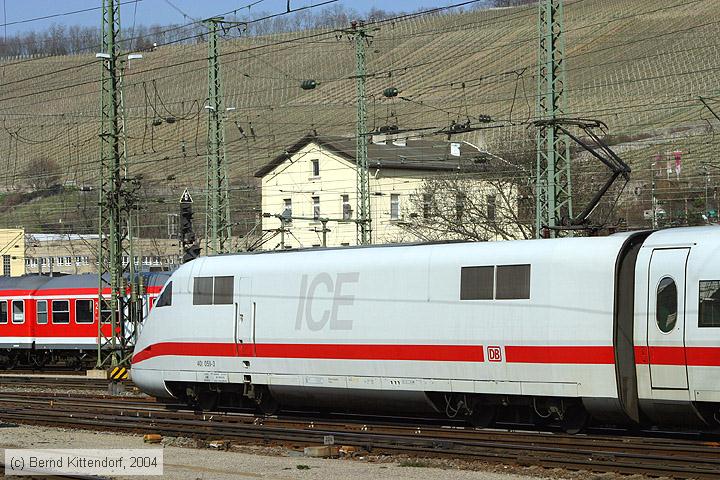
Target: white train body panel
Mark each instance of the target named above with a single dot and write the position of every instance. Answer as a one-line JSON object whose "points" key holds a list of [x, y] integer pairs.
{"points": [[391, 318]]}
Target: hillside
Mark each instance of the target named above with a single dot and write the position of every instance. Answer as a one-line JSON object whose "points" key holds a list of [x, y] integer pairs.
{"points": [[639, 66]]}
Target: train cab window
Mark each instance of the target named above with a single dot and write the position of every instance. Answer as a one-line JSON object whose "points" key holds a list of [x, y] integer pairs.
{"points": [[41, 312], [513, 282], [223, 291], [18, 311], [476, 283], [165, 298], [3, 311], [60, 311], [667, 305], [84, 311], [202, 290], [709, 311]]}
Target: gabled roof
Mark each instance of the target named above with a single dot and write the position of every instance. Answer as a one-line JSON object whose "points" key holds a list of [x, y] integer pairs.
{"points": [[414, 155]]}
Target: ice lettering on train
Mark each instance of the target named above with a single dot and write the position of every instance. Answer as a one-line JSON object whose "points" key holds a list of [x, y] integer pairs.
{"points": [[321, 283]]}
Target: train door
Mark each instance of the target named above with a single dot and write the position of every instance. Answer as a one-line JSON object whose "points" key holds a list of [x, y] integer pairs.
{"points": [[244, 317], [666, 318]]}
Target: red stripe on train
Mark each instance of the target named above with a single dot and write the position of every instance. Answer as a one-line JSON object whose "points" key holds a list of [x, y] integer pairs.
{"points": [[443, 353], [580, 355], [691, 356]]}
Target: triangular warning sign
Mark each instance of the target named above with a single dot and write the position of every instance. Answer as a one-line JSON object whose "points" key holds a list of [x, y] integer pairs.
{"points": [[186, 198]]}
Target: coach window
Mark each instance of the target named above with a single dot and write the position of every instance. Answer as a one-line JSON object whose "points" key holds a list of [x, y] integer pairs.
{"points": [[476, 283], [709, 303], [84, 311], [41, 313], [513, 282], [666, 311], [60, 311], [223, 291], [202, 290], [165, 298], [3, 312], [18, 311], [105, 311]]}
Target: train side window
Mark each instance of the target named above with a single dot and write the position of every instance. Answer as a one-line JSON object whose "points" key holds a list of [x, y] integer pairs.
{"points": [[476, 283], [41, 312], [60, 311], [513, 282], [223, 291], [3, 311], [18, 311], [165, 298], [667, 305], [709, 311], [202, 290], [84, 311]]}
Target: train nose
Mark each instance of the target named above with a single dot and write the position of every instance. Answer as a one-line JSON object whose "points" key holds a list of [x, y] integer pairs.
{"points": [[149, 381]]}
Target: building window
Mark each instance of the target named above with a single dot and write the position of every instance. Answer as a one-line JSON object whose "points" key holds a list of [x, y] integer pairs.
{"points": [[667, 305], [68, 261], [709, 303], [459, 206], [477, 283], [491, 204], [60, 311], [287, 209], [27, 263], [513, 282], [6, 265], [315, 167], [346, 209], [41, 312], [427, 205], [18, 310], [84, 311], [316, 207], [394, 206]]}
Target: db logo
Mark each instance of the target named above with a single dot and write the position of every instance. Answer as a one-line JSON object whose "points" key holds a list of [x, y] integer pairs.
{"points": [[494, 354]]}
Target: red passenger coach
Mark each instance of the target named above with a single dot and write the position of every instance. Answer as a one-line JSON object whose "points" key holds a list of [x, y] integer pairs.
{"points": [[55, 319]]}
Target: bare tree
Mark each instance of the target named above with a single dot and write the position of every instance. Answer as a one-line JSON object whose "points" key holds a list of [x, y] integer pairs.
{"points": [[493, 202]]}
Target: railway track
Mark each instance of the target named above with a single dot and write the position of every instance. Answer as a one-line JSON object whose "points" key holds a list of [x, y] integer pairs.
{"points": [[600, 453], [52, 382]]}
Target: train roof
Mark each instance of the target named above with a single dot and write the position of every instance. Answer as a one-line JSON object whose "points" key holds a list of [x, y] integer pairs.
{"points": [[24, 282]]}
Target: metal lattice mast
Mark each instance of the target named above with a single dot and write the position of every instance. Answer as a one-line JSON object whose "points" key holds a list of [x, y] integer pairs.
{"points": [[364, 218], [114, 343], [217, 200], [552, 182]]}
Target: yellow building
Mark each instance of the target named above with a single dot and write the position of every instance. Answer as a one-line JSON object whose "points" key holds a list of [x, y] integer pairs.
{"points": [[316, 179], [12, 249]]}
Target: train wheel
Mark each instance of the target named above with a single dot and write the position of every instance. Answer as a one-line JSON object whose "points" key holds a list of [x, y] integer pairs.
{"points": [[207, 400], [482, 415], [12, 362], [39, 361], [575, 419], [267, 404]]}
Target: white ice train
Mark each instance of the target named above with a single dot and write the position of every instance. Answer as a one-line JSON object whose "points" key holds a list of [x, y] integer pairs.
{"points": [[623, 329]]}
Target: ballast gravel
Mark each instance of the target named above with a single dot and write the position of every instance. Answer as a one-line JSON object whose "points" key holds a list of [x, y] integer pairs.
{"points": [[191, 459], [244, 462]]}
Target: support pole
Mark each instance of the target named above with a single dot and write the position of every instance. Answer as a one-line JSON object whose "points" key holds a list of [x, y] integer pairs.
{"points": [[116, 201], [217, 200], [552, 182], [364, 223]]}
